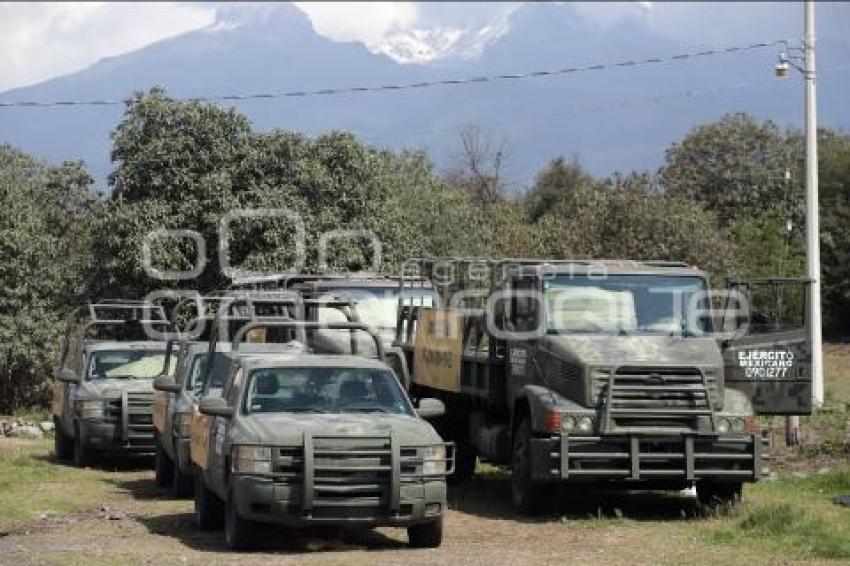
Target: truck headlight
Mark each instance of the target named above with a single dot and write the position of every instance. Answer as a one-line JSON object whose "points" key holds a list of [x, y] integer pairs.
{"points": [[434, 460], [577, 423], [733, 425], [251, 459], [90, 408], [183, 424]]}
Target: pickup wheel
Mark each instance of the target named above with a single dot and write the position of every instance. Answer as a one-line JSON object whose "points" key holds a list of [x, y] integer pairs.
{"points": [[238, 531], [426, 535], [82, 455], [525, 494], [63, 445], [163, 466], [209, 510], [715, 494]]}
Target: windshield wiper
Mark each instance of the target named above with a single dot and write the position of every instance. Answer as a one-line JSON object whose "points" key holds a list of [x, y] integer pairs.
{"points": [[305, 410], [365, 409]]}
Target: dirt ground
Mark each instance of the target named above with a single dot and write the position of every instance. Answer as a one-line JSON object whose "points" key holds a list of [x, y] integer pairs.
{"points": [[134, 522]]}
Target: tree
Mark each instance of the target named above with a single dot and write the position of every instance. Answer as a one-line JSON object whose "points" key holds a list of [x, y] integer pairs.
{"points": [[736, 166], [480, 161], [834, 185], [558, 181], [44, 242]]}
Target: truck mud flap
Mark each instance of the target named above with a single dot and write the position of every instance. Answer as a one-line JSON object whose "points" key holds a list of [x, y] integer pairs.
{"points": [[638, 458]]}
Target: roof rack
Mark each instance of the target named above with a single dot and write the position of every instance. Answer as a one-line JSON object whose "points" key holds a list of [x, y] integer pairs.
{"points": [[303, 326]]}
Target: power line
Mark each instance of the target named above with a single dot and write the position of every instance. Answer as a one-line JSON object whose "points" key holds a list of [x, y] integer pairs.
{"points": [[417, 85]]}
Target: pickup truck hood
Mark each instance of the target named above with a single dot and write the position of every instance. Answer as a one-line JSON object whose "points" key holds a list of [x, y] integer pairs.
{"points": [[608, 350], [288, 429], [112, 388]]}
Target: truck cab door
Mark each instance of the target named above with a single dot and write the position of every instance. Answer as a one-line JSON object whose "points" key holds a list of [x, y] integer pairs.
{"points": [[767, 344]]}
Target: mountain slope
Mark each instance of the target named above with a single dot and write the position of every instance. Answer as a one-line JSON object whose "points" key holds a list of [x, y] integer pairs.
{"points": [[612, 120]]}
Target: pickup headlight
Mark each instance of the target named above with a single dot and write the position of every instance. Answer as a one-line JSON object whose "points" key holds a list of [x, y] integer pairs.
{"points": [[183, 424], [251, 459], [90, 408], [434, 460]]}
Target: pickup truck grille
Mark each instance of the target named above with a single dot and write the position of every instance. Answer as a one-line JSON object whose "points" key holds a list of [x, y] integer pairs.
{"points": [[351, 477], [134, 413], [638, 397]]}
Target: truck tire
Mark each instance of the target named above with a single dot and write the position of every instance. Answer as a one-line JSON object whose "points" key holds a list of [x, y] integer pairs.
{"points": [[716, 494], [525, 494], [426, 535], [181, 484], [163, 466], [209, 510], [63, 445], [238, 531], [82, 455]]}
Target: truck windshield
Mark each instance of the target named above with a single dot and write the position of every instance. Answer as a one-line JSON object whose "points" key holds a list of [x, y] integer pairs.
{"points": [[625, 304], [325, 390], [128, 364], [376, 306]]}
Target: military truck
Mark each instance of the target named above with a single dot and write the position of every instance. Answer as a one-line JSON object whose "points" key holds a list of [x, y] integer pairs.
{"points": [[375, 300], [303, 439], [103, 396], [624, 373], [176, 398]]}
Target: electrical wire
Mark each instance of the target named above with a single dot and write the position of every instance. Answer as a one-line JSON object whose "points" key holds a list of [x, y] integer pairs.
{"points": [[417, 85]]}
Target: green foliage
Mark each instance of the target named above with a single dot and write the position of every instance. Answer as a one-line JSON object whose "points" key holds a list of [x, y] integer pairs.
{"points": [[736, 166], [792, 527], [44, 242]]}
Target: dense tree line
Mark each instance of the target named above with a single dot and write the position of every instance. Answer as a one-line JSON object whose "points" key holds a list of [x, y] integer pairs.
{"points": [[722, 200]]}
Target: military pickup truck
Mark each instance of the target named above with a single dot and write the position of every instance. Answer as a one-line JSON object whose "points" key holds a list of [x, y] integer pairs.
{"points": [[175, 402], [103, 396], [623, 373], [304, 439]]}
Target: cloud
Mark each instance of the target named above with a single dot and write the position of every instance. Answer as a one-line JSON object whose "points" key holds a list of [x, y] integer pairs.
{"points": [[44, 40]]}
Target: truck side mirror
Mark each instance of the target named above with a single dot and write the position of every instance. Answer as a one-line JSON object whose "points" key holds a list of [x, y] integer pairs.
{"points": [[215, 407], [67, 375], [431, 408], [165, 383]]}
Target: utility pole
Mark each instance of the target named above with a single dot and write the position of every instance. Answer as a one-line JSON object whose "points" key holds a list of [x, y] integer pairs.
{"points": [[787, 60], [812, 212]]}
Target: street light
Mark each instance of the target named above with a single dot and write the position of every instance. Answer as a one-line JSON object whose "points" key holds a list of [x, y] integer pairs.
{"points": [[802, 58]]}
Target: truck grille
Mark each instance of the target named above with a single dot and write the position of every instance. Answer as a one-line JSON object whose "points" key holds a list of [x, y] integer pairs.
{"points": [[137, 429], [351, 477], [656, 397]]}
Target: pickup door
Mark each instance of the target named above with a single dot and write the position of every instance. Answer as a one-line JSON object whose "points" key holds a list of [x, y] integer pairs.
{"points": [[767, 354]]}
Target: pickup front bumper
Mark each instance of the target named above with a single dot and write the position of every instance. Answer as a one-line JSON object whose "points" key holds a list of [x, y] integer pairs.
{"points": [[340, 480], [650, 459]]}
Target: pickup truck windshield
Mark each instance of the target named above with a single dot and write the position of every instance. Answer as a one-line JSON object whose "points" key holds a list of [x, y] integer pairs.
{"points": [[376, 306], [625, 304], [325, 390], [129, 364]]}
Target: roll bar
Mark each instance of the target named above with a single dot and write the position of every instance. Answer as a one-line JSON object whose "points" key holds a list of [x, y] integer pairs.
{"points": [[304, 325]]}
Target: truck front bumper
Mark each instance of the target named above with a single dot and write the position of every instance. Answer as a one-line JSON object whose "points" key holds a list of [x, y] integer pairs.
{"points": [[651, 459], [263, 499], [103, 436]]}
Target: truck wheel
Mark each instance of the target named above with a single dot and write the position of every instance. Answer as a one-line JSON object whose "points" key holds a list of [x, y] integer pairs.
{"points": [[209, 512], [465, 458], [181, 484], [526, 496], [715, 494], [163, 466], [82, 455], [63, 445], [238, 532], [426, 535]]}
